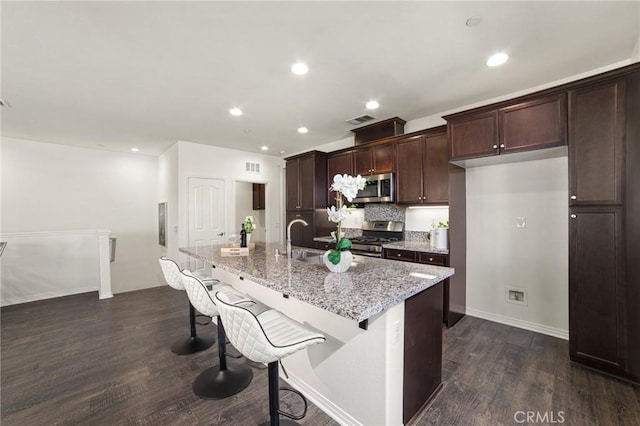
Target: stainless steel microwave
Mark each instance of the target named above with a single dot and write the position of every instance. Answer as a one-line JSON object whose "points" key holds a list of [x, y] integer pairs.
{"points": [[379, 189]]}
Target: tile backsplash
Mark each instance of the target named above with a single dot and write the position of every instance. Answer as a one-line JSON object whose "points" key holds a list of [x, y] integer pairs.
{"points": [[389, 212], [417, 221]]}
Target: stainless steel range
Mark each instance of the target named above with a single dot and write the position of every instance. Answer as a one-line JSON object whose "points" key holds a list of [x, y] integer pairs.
{"points": [[374, 234]]}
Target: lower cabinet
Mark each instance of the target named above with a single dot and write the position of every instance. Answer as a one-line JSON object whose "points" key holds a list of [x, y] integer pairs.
{"points": [[597, 289], [453, 305]]}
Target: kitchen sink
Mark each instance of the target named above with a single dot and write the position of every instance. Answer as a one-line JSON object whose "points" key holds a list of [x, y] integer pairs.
{"points": [[307, 256]]}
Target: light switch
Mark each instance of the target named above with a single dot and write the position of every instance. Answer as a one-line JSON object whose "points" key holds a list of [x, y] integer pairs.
{"points": [[521, 222]]}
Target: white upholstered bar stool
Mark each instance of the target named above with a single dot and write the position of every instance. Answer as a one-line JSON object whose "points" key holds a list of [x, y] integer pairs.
{"points": [[266, 336], [173, 276], [222, 380]]}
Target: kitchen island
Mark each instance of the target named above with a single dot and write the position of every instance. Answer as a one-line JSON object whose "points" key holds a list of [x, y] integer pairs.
{"points": [[382, 319]]}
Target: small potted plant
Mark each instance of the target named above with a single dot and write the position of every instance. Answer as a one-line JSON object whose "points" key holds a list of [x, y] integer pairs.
{"points": [[345, 186], [249, 227]]}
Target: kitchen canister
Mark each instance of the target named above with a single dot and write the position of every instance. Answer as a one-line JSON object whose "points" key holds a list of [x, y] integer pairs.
{"points": [[440, 236]]}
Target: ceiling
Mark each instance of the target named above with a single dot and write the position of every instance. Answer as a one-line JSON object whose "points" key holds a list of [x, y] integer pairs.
{"points": [[116, 75]]}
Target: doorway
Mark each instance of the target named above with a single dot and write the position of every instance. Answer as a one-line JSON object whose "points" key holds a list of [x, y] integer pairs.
{"points": [[251, 200]]}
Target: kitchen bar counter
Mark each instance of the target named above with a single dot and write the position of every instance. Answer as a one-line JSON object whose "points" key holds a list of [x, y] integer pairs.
{"points": [[369, 287]]}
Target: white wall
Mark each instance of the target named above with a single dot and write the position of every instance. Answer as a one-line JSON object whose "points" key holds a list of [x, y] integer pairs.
{"points": [[48, 187], [212, 162], [168, 192], [501, 256]]}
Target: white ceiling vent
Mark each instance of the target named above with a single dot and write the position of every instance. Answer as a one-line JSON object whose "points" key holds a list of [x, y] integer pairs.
{"points": [[361, 119], [252, 167]]}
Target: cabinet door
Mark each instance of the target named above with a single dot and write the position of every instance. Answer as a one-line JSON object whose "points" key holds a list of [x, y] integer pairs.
{"points": [[597, 292], [382, 158], [302, 236], [436, 169], [474, 135], [293, 184], [541, 123], [596, 143], [339, 164], [307, 181], [409, 173], [258, 196], [362, 162]]}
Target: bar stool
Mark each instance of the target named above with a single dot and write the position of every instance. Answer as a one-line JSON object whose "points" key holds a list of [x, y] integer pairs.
{"points": [[222, 380], [194, 343], [266, 336]]}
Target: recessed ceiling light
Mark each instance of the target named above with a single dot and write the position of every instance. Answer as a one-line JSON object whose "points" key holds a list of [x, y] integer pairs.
{"points": [[303, 130], [497, 59], [372, 105], [235, 111], [135, 149], [264, 148], [299, 68]]}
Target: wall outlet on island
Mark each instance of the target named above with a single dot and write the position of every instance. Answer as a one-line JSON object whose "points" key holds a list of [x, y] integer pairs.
{"points": [[517, 296]]}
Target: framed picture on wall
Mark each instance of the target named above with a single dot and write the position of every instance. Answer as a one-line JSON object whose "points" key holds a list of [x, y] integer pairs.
{"points": [[162, 224]]}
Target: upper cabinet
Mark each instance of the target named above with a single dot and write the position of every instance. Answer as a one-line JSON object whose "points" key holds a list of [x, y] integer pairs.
{"points": [[306, 176], [422, 168], [258, 196], [596, 148], [340, 162], [533, 124], [374, 159]]}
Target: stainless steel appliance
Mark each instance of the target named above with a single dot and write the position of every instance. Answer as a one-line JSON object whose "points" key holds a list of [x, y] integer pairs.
{"points": [[374, 234], [379, 189]]}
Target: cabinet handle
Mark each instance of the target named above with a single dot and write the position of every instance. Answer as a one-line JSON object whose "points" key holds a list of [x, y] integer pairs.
{"points": [[495, 147], [431, 259], [573, 197], [501, 145], [573, 216], [298, 215], [398, 255], [297, 207]]}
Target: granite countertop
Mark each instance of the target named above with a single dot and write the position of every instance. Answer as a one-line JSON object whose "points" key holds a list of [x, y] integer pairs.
{"points": [[422, 246], [369, 287]]}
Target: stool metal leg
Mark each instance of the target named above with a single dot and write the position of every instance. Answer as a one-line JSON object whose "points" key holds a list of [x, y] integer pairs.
{"points": [[194, 343], [274, 399], [222, 381]]}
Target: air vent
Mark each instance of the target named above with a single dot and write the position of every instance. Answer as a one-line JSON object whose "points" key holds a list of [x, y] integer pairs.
{"points": [[252, 167], [361, 119]]}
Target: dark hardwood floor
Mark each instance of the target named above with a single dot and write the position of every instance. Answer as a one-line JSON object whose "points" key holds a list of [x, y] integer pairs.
{"points": [[77, 360]]}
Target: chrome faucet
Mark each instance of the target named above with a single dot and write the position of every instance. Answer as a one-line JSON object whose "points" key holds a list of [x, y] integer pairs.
{"points": [[302, 221]]}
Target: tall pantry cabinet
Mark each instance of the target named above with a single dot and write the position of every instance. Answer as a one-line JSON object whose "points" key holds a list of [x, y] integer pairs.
{"points": [[604, 224]]}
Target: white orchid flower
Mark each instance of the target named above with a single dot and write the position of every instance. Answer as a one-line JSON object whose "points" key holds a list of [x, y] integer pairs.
{"points": [[337, 215]]}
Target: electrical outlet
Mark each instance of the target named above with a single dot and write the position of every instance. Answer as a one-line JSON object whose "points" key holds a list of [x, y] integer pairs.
{"points": [[521, 222]]}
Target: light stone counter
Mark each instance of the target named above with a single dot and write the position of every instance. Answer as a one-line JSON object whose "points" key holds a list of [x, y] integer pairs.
{"points": [[369, 287], [422, 246]]}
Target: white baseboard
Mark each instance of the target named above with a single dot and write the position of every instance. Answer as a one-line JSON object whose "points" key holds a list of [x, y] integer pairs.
{"points": [[47, 295], [531, 326], [320, 401]]}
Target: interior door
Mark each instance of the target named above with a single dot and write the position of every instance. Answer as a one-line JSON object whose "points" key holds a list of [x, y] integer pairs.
{"points": [[206, 215]]}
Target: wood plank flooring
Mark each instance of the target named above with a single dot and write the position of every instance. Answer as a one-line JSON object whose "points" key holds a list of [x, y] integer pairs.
{"points": [[80, 361]]}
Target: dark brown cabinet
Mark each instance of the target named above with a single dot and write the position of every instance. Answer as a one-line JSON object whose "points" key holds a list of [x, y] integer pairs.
{"points": [[338, 163], [258, 196], [453, 298], [422, 168], [533, 124], [603, 296], [306, 196], [306, 176], [596, 151], [597, 289], [375, 159]]}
